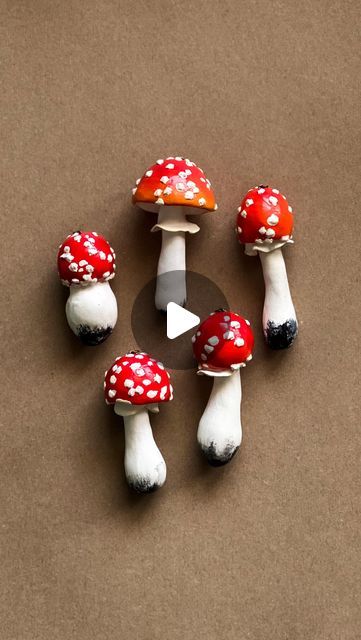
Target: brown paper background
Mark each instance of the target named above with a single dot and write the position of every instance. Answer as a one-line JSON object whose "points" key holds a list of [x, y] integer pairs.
{"points": [[268, 547]]}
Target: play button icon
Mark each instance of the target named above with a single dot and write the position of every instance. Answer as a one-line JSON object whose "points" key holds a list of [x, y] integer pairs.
{"points": [[179, 320], [167, 336]]}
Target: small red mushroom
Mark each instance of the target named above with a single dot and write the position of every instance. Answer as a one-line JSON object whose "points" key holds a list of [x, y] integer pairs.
{"points": [[264, 226], [135, 384], [222, 345], [173, 188], [86, 264]]}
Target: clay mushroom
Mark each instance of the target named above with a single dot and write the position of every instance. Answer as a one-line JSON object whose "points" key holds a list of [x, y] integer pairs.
{"points": [[222, 345], [135, 384], [86, 264], [173, 188], [264, 226]]}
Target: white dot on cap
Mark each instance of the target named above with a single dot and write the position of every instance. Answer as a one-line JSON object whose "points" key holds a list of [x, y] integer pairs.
{"points": [[203, 356], [164, 179], [244, 213], [152, 394], [262, 230], [202, 201], [213, 340], [159, 201], [111, 393], [189, 195], [249, 201], [273, 200], [180, 186], [112, 379], [228, 335], [239, 342], [158, 192], [208, 348], [149, 173], [273, 219], [160, 161], [169, 166]]}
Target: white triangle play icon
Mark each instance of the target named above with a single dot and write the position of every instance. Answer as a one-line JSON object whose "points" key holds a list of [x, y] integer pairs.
{"points": [[179, 320]]}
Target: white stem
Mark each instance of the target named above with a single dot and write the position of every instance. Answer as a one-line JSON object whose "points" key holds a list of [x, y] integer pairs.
{"points": [[171, 274], [220, 429], [92, 311], [279, 316], [144, 465]]}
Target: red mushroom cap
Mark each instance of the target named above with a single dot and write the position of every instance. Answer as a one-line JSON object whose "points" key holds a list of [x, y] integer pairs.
{"points": [[174, 181], [85, 257], [223, 343], [136, 378], [264, 218]]}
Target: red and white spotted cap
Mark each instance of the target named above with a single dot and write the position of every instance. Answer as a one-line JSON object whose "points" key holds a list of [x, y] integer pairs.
{"points": [[264, 221], [137, 378], [85, 257], [223, 343], [174, 181]]}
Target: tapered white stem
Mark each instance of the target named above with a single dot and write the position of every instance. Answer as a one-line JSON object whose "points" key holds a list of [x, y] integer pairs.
{"points": [[220, 429], [144, 465], [171, 273], [279, 316], [92, 311]]}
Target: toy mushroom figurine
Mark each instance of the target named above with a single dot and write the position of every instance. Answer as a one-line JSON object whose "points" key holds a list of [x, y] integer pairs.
{"points": [[173, 188], [264, 226], [135, 384], [86, 263], [222, 345]]}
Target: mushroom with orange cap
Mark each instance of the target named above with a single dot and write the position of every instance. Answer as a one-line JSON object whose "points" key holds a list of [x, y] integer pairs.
{"points": [[135, 384], [173, 188], [86, 264], [264, 226], [222, 345]]}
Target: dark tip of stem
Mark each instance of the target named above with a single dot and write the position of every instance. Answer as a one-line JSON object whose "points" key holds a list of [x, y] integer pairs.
{"points": [[219, 459], [281, 336], [93, 337]]}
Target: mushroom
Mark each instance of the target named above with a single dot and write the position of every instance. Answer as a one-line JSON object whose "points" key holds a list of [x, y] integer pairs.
{"points": [[222, 345], [86, 263], [264, 226], [135, 384], [173, 188]]}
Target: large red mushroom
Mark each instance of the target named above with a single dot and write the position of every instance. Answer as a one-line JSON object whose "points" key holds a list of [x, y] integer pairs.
{"points": [[264, 226], [222, 345], [135, 384], [173, 188], [86, 264]]}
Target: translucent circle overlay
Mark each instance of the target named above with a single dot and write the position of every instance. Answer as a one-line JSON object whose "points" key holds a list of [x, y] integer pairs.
{"points": [[149, 325]]}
